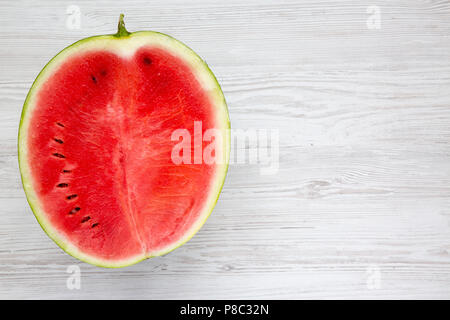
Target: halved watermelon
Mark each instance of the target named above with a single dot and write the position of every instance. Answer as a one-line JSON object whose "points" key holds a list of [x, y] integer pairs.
{"points": [[95, 146]]}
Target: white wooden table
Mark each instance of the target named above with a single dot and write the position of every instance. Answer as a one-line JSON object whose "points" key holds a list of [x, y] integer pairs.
{"points": [[360, 205]]}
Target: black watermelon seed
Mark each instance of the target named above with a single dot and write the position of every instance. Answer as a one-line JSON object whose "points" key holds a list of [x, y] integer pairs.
{"points": [[74, 210], [58, 155], [147, 60]]}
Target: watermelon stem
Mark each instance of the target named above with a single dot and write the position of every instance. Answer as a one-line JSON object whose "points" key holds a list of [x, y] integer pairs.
{"points": [[121, 31]]}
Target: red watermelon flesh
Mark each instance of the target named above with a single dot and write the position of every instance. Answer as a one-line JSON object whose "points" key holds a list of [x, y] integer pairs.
{"points": [[99, 153]]}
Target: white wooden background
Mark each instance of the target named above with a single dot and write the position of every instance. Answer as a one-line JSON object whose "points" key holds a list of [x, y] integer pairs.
{"points": [[363, 188]]}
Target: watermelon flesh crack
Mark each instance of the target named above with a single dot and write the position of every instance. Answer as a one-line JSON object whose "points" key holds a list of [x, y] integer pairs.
{"points": [[99, 152]]}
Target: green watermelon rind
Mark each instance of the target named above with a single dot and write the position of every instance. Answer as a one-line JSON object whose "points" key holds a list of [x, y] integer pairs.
{"points": [[202, 69]]}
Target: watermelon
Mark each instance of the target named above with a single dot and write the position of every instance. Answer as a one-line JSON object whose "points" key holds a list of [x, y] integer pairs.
{"points": [[97, 145]]}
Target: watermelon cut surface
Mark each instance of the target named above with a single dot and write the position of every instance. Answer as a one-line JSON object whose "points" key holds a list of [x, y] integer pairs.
{"points": [[95, 146]]}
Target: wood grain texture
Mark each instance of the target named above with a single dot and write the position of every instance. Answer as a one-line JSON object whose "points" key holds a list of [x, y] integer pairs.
{"points": [[364, 173]]}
